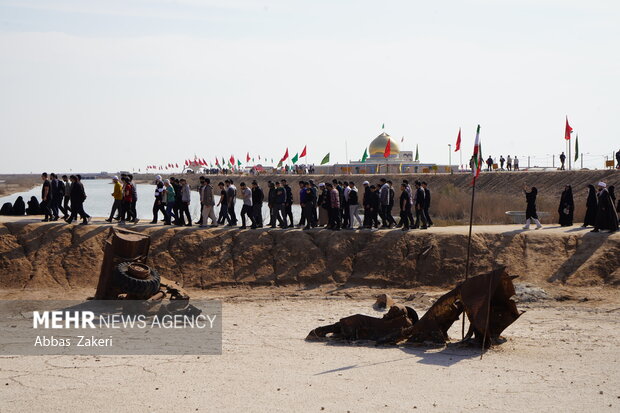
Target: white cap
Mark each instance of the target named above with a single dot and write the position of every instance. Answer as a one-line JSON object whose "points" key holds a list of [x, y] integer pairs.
{"points": [[602, 184], [365, 183], [115, 178], [158, 177], [321, 184]]}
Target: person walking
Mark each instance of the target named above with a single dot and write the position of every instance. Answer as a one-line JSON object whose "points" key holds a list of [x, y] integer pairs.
{"points": [[323, 202], [405, 207], [618, 159], [309, 205], [288, 203], [509, 163], [186, 199], [279, 206], [208, 204], [516, 164], [178, 200], [562, 161], [591, 207], [246, 209], [334, 207], [420, 217], [78, 196], [169, 197], [384, 198], [427, 203], [354, 206], [606, 215], [501, 162], [57, 195], [66, 209], [158, 203], [223, 204], [257, 204], [566, 207], [271, 201], [126, 202], [46, 198], [346, 218], [134, 200], [231, 199], [390, 218], [366, 204], [201, 186], [530, 210], [117, 194]]}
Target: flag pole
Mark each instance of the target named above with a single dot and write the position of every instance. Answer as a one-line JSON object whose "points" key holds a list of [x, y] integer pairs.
{"points": [[471, 223]]}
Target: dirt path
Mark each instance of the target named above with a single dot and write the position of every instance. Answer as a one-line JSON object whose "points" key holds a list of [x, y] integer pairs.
{"points": [[558, 357]]}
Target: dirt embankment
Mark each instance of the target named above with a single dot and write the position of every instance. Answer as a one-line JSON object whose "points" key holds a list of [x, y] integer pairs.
{"points": [[36, 255]]}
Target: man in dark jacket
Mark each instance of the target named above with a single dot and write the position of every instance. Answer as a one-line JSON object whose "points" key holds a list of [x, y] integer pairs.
{"points": [[271, 203], [375, 204], [288, 203], [279, 206], [78, 196], [427, 203], [308, 206], [419, 206], [366, 204], [257, 204]]}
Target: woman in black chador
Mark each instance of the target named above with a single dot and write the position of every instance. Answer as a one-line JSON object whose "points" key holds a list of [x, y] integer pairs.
{"points": [[19, 207], [591, 204], [606, 216], [530, 210], [567, 206]]}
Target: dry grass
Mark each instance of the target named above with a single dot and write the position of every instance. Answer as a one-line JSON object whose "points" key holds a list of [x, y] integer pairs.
{"points": [[451, 206]]}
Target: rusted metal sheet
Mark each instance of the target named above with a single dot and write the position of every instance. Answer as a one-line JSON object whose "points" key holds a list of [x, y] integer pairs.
{"points": [[488, 294], [120, 246]]}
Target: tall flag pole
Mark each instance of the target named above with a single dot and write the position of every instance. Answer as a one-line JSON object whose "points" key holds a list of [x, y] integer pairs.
{"points": [[567, 131], [476, 172]]}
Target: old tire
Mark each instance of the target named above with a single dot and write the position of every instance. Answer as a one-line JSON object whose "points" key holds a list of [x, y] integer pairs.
{"points": [[141, 287]]}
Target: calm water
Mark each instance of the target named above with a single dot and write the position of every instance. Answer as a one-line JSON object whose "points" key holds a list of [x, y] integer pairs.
{"points": [[99, 200]]}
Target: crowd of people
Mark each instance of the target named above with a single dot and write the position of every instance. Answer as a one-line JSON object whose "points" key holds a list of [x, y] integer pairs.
{"points": [[601, 212], [333, 205]]}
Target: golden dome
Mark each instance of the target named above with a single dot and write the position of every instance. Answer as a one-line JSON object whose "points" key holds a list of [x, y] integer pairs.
{"points": [[377, 146]]}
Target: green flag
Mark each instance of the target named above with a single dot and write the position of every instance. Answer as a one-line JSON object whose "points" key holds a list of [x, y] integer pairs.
{"points": [[365, 155], [325, 159], [295, 158], [576, 147], [417, 154], [238, 162], [223, 161], [280, 164], [383, 126]]}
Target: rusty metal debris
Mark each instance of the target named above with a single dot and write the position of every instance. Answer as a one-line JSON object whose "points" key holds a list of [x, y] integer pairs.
{"points": [[363, 327], [126, 276], [485, 299]]}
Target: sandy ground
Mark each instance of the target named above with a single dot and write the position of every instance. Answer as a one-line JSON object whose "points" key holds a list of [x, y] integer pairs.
{"points": [[559, 356]]}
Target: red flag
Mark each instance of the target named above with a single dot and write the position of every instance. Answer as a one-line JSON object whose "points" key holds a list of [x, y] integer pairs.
{"points": [[247, 157], [303, 153], [204, 162], [458, 142], [568, 130], [217, 162], [201, 162], [186, 162], [232, 160], [285, 157], [176, 165], [386, 152]]}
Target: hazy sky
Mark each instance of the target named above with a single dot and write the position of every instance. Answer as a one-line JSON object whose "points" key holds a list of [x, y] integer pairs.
{"points": [[120, 84]]}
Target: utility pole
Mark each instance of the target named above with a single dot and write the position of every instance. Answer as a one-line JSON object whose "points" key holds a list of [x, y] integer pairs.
{"points": [[553, 161], [581, 160], [450, 156], [528, 162]]}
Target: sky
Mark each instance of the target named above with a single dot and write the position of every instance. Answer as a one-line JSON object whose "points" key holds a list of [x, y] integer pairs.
{"points": [[121, 84]]}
